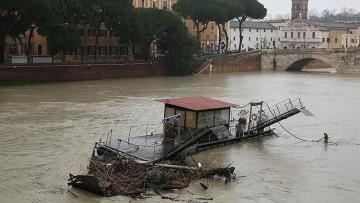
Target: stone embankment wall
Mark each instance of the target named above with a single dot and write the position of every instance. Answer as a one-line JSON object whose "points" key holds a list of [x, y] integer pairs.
{"points": [[233, 63], [78, 72]]}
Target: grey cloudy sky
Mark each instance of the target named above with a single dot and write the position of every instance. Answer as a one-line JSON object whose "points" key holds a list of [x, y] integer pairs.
{"points": [[284, 6]]}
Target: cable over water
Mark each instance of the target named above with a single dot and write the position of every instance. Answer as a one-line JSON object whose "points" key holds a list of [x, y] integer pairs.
{"points": [[290, 133]]}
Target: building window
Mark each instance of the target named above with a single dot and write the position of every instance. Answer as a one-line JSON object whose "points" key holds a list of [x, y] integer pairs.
{"points": [[323, 40], [328, 40], [292, 34], [313, 35], [90, 50], [112, 50], [40, 49], [203, 45], [102, 33], [234, 38], [257, 39], [165, 5], [249, 30], [285, 34], [336, 40], [13, 49], [264, 30], [257, 30], [299, 34], [90, 33], [212, 26], [249, 38], [122, 50], [304, 34], [272, 30], [102, 50], [143, 3]]}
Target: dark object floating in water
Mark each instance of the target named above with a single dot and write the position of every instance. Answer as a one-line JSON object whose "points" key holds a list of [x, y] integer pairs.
{"points": [[112, 176]]}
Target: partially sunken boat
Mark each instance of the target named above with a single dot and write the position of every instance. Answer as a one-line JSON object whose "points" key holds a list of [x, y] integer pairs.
{"points": [[193, 124]]}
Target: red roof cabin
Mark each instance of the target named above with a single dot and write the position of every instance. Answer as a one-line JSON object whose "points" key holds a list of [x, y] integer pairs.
{"points": [[198, 112]]}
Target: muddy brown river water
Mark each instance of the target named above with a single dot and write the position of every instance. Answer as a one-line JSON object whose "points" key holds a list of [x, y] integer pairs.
{"points": [[48, 130]]}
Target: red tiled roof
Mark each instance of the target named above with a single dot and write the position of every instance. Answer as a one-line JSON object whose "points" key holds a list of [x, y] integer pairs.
{"points": [[197, 103]]}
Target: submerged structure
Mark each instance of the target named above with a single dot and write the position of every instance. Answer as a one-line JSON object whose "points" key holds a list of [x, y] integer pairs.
{"points": [[193, 124]]}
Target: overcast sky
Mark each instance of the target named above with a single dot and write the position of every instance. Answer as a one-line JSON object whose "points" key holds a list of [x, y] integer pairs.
{"points": [[284, 6]]}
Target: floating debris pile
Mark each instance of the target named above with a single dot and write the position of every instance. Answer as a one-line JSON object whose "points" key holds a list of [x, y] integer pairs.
{"points": [[111, 176]]}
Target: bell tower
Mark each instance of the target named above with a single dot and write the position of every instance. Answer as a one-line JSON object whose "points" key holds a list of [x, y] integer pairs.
{"points": [[299, 9]]}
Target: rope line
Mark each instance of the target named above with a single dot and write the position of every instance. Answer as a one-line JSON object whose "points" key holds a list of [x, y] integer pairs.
{"points": [[292, 134]]}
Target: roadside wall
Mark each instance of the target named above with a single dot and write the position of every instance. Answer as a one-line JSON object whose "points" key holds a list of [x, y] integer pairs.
{"points": [[78, 72], [234, 63]]}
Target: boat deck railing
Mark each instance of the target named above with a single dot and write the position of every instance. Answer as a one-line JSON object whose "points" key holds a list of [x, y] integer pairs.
{"points": [[146, 129], [143, 142]]}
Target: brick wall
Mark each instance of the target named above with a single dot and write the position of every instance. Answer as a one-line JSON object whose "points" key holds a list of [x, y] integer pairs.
{"points": [[76, 72]]}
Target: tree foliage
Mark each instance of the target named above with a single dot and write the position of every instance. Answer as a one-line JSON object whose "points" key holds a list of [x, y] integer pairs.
{"points": [[144, 27], [61, 26], [196, 10], [107, 13], [252, 9], [17, 16], [166, 30], [176, 44], [220, 11]]}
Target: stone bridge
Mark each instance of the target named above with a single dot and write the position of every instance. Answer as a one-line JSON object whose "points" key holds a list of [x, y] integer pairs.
{"points": [[342, 60]]}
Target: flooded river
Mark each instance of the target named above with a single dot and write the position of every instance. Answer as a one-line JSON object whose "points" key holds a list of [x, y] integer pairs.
{"points": [[48, 130]]}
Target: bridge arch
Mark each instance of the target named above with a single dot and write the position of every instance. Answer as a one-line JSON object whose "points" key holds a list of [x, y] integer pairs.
{"points": [[310, 61]]}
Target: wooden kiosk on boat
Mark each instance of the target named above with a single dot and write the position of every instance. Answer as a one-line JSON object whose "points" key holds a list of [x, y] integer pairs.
{"points": [[194, 113]]}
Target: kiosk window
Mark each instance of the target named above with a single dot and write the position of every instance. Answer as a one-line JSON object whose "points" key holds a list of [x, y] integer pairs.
{"points": [[182, 113], [169, 112], [190, 119], [206, 119], [222, 117]]}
